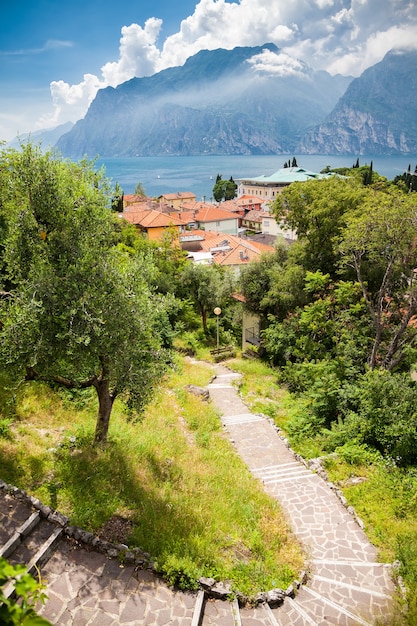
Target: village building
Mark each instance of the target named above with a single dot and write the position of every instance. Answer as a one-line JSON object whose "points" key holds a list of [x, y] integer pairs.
{"points": [[268, 187], [175, 200], [210, 217], [226, 250], [154, 223]]}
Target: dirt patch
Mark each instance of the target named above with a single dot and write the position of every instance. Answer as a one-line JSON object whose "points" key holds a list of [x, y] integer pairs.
{"points": [[116, 530]]}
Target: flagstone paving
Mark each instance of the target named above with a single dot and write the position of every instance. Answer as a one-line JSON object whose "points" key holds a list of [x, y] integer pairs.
{"points": [[347, 585], [344, 564]]}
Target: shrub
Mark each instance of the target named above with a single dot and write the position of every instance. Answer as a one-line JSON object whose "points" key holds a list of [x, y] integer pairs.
{"points": [[319, 383], [18, 610], [5, 424], [386, 407], [180, 572]]}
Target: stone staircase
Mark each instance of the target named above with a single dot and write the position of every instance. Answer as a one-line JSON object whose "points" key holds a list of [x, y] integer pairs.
{"points": [[87, 587]]}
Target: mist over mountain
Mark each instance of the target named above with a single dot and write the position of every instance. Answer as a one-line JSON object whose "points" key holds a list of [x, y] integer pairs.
{"points": [[249, 100], [376, 115], [46, 138]]}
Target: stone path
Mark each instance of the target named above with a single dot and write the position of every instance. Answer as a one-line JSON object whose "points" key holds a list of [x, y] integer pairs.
{"points": [[347, 585]]}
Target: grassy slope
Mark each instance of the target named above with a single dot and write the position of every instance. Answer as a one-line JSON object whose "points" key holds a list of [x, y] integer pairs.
{"points": [[383, 495], [192, 503]]}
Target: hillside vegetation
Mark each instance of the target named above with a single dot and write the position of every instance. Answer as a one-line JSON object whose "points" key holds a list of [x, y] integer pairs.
{"points": [[171, 481]]}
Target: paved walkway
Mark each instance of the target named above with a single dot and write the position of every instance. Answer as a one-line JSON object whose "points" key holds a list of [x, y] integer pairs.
{"points": [[347, 585], [344, 564]]}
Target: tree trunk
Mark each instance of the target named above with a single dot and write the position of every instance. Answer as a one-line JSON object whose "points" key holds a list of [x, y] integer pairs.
{"points": [[204, 318], [105, 405]]}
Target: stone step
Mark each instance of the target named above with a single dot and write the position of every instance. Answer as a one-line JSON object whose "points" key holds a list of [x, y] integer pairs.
{"points": [[13, 514], [198, 609], [218, 613], [34, 548], [282, 473], [257, 616], [351, 596], [17, 537], [243, 418], [310, 608], [364, 574]]}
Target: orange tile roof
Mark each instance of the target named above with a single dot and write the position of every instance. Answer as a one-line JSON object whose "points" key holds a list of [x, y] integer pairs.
{"points": [[179, 195], [250, 250], [195, 206], [213, 214], [253, 216], [241, 255], [150, 218], [231, 205]]}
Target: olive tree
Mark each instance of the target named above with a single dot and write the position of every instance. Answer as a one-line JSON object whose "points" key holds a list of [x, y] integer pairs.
{"points": [[79, 310]]}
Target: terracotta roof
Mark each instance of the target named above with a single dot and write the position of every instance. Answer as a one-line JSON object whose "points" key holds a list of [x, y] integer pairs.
{"points": [[213, 214], [133, 198], [254, 216], [150, 218], [242, 254], [186, 195], [195, 206], [212, 239]]}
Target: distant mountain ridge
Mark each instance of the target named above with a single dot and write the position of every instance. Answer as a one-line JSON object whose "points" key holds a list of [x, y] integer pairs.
{"points": [[376, 115], [253, 100], [218, 102], [47, 138]]}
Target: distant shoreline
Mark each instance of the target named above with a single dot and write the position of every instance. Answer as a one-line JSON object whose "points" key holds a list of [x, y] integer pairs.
{"points": [[198, 173]]}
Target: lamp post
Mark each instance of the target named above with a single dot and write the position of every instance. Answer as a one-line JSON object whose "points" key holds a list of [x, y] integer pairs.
{"points": [[217, 311]]}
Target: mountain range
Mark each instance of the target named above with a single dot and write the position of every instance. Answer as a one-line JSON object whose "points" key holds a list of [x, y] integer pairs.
{"points": [[252, 100], [376, 115]]}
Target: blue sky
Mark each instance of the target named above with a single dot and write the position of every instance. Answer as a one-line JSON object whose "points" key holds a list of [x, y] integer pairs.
{"points": [[55, 55]]}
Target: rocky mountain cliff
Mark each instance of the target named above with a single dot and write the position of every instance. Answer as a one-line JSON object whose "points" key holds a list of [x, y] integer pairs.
{"points": [[376, 115], [251, 100]]}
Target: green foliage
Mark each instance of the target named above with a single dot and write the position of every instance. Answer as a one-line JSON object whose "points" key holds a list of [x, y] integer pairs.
{"points": [[208, 287], [378, 243], [408, 180], [179, 571], [139, 190], [333, 324], [317, 211], [386, 407], [83, 312], [224, 189], [5, 424], [117, 199], [20, 611], [273, 285]]}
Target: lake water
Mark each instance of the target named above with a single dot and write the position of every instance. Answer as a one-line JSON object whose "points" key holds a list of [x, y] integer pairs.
{"points": [[197, 174]]}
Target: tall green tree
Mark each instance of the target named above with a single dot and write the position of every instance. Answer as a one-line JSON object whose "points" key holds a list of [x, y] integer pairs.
{"points": [[224, 189], [273, 285], [317, 211], [208, 287], [81, 313], [379, 244], [139, 190], [117, 200]]}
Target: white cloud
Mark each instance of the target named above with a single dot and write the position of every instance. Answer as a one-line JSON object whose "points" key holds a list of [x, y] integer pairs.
{"points": [[343, 36], [281, 64], [373, 50], [139, 55], [70, 102]]}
